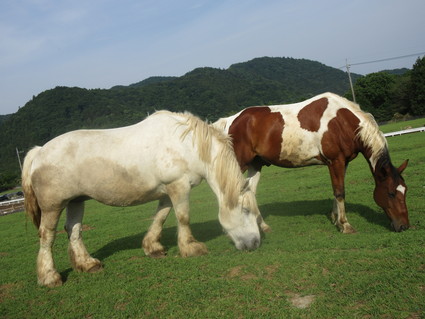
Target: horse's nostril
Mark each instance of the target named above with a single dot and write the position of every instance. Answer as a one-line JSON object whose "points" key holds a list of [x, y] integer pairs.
{"points": [[404, 227], [255, 243]]}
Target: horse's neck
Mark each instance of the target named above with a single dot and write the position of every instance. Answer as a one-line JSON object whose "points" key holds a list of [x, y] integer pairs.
{"points": [[380, 164]]}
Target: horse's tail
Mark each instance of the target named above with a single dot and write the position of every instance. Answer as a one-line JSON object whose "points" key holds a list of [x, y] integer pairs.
{"points": [[31, 204]]}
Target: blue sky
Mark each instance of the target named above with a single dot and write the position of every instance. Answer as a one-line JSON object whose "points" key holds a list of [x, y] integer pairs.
{"points": [[99, 44]]}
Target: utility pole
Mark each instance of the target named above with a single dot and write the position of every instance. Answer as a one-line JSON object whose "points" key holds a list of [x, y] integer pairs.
{"points": [[19, 158], [351, 82]]}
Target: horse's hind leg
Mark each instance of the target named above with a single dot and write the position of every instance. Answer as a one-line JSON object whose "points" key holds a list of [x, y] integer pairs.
{"points": [[151, 242], [337, 171], [46, 272], [80, 258]]}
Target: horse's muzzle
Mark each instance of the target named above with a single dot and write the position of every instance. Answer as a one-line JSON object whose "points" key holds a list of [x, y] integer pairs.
{"points": [[249, 243], [399, 228]]}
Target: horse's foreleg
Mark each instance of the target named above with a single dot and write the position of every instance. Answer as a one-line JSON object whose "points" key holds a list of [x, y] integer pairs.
{"points": [[188, 245], [46, 271], [80, 258], [151, 242], [253, 180], [337, 171]]}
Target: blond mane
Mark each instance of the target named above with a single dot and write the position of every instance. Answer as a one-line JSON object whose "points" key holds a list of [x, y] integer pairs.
{"points": [[224, 165], [369, 133]]}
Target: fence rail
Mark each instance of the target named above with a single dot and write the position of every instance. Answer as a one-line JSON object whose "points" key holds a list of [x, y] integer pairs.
{"points": [[11, 206], [407, 131]]}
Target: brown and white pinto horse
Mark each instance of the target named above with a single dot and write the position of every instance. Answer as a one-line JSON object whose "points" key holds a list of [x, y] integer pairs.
{"points": [[327, 130]]}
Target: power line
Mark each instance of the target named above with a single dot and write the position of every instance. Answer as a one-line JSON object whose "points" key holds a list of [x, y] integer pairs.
{"points": [[387, 59], [347, 66]]}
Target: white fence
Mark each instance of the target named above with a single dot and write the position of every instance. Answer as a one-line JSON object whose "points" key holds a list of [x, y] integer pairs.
{"points": [[407, 131], [11, 206]]}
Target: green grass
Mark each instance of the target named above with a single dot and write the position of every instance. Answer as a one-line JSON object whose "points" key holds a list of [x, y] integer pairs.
{"points": [[402, 125], [374, 273]]}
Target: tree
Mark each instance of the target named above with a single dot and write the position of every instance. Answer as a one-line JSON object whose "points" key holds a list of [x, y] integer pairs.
{"points": [[375, 94], [417, 87]]}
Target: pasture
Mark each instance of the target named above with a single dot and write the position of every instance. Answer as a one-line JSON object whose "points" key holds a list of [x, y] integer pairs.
{"points": [[304, 268]]}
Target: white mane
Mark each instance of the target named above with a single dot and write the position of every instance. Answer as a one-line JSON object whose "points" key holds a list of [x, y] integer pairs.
{"points": [[225, 165]]}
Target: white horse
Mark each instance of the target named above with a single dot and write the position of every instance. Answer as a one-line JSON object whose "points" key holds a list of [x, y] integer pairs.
{"points": [[160, 158]]}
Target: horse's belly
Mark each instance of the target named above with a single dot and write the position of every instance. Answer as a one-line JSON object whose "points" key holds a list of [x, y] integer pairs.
{"points": [[114, 199], [300, 149], [116, 185]]}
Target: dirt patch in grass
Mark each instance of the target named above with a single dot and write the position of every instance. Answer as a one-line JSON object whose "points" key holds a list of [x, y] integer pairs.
{"points": [[300, 302], [6, 291], [271, 270], [238, 272]]}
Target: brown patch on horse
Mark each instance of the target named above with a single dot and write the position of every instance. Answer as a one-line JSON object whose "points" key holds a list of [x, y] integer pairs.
{"points": [[257, 130], [340, 138], [310, 115]]}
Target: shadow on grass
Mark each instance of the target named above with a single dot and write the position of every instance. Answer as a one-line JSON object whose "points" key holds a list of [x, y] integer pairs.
{"points": [[323, 207], [203, 232], [209, 230]]}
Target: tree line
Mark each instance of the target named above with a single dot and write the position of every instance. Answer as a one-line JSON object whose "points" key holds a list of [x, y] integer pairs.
{"points": [[391, 96]]}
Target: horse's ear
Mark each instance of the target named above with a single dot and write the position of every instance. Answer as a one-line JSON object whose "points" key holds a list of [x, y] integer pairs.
{"points": [[403, 166]]}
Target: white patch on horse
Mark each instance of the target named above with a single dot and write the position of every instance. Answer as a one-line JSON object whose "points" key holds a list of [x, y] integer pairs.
{"points": [[301, 146], [401, 189]]}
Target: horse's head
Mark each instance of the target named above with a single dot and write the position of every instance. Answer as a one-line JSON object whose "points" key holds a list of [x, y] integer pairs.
{"points": [[390, 194], [241, 222]]}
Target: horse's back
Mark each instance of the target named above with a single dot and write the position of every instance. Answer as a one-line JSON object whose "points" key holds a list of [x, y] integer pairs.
{"points": [[122, 166], [300, 134]]}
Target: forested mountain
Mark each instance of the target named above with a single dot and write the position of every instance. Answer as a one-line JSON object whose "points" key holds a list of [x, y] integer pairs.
{"points": [[148, 81], [207, 92], [4, 118]]}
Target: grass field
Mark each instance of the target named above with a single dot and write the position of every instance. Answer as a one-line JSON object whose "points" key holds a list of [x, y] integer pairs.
{"points": [[304, 268]]}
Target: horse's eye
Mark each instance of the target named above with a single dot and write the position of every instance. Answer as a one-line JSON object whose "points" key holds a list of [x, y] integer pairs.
{"points": [[391, 195]]}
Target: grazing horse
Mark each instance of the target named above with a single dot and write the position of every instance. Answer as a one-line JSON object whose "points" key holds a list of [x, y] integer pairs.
{"points": [[327, 130], [160, 158]]}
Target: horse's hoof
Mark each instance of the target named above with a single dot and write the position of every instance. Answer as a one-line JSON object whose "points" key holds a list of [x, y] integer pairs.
{"points": [[95, 268], [266, 228], [348, 229], [157, 254], [193, 249], [153, 248], [51, 281]]}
